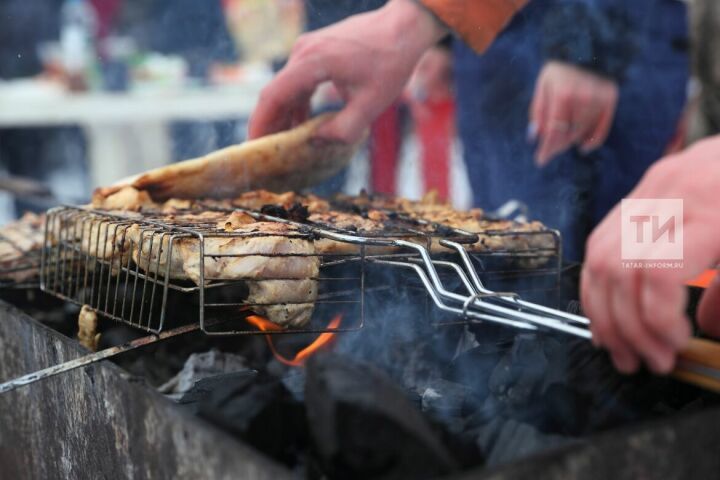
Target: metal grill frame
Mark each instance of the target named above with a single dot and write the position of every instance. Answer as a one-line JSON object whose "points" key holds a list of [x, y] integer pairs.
{"points": [[95, 278], [61, 251]]}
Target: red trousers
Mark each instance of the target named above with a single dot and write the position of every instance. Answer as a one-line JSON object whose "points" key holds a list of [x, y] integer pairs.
{"points": [[434, 124]]}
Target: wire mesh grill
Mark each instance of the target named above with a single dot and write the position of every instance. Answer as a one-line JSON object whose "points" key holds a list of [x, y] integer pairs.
{"points": [[147, 269], [129, 267]]}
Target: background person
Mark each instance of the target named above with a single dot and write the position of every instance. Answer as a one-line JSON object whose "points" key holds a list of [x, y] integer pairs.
{"points": [[603, 85], [637, 47]]}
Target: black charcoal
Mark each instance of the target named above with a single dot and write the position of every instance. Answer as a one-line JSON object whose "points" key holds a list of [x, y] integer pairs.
{"points": [[444, 399], [260, 410], [520, 372], [202, 389], [364, 426], [504, 440], [202, 365]]}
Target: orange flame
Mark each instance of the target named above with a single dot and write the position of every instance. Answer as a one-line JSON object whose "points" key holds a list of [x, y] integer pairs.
{"points": [[322, 341]]}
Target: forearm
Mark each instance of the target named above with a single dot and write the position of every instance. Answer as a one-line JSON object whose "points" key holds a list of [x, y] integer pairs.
{"points": [[414, 26], [477, 22]]}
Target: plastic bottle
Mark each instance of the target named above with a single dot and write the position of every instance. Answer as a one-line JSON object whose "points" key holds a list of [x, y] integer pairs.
{"points": [[77, 35]]}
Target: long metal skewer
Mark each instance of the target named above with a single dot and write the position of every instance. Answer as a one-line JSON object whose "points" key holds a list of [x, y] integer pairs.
{"points": [[94, 357]]}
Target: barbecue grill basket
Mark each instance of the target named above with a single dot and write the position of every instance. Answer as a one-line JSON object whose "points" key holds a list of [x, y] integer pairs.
{"points": [[119, 264], [91, 258]]}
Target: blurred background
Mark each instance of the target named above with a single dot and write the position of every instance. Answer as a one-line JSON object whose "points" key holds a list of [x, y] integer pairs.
{"points": [[92, 91]]}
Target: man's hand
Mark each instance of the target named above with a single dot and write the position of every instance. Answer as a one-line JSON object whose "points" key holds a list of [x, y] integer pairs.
{"points": [[638, 314], [571, 106], [368, 58], [431, 82]]}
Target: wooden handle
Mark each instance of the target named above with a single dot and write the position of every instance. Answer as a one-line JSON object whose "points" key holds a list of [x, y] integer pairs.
{"points": [[699, 364]]}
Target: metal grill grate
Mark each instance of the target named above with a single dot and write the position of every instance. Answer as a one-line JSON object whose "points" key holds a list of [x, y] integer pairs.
{"points": [[121, 265]]}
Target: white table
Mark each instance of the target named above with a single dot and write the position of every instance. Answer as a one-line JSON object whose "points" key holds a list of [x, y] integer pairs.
{"points": [[126, 132]]}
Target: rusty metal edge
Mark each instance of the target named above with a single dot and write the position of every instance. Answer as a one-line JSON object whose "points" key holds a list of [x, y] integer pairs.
{"points": [[81, 424]]}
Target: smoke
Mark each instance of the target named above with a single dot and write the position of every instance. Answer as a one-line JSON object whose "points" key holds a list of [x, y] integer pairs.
{"points": [[513, 393]]}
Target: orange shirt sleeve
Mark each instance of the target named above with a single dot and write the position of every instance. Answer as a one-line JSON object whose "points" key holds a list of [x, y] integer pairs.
{"points": [[476, 21]]}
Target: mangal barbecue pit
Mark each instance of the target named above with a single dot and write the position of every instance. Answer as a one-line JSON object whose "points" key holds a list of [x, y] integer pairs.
{"points": [[453, 282]]}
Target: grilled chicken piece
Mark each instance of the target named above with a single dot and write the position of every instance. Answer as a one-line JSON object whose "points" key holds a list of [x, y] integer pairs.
{"points": [[274, 259], [88, 335], [279, 266], [288, 303], [260, 253], [257, 199], [20, 246]]}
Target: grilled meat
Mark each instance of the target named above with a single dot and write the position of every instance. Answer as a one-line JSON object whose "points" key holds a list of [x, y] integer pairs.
{"points": [[20, 247], [279, 263]]}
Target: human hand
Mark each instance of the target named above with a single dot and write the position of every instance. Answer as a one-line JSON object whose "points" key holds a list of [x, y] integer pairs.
{"points": [[431, 82], [368, 58], [432, 77], [570, 106], [638, 313]]}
